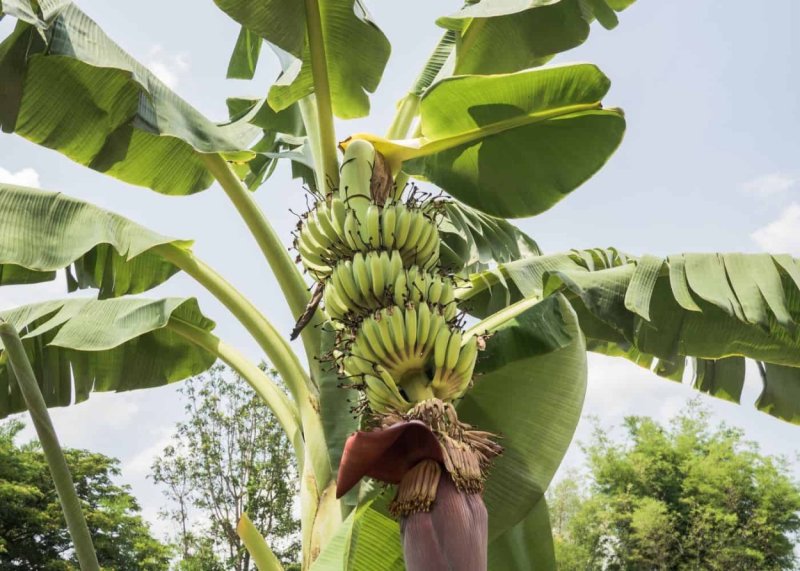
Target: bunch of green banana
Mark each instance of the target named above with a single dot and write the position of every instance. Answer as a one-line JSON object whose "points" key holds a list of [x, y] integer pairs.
{"points": [[373, 280], [410, 342], [332, 232], [378, 263]]}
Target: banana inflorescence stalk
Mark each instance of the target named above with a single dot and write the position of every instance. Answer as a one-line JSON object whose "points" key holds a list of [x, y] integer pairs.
{"points": [[375, 258]]}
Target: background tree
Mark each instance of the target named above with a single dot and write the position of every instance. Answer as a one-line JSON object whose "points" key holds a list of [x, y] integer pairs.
{"points": [[689, 495], [33, 534], [228, 457]]}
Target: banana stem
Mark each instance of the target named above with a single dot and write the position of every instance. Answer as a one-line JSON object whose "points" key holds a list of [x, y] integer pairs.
{"points": [[406, 112], [418, 388], [285, 410], [289, 278], [264, 558], [309, 114], [409, 105], [271, 342], [329, 167], [275, 347], [59, 471]]}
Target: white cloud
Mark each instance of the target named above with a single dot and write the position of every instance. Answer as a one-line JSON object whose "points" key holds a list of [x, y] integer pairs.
{"points": [[167, 67], [770, 184], [138, 466], [783, 235], [13, 296], [24, 177], [84, 425]]}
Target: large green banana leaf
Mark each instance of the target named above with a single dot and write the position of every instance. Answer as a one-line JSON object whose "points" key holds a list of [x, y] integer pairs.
{"points": [[356, 50], [502, 36], [529, 388], [528, 545], [79, 345], [109, 112], [41, 232], [368, 539], [705, 306], [511, 145]]}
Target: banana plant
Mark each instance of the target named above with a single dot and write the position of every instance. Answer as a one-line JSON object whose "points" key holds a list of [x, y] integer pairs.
{"points": [[446, 354]]}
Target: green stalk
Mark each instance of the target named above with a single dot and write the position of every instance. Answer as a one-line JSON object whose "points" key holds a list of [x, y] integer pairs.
{"points": [[274, 346], [271, 342], [406, 112], [284, 409], [418, 388], [62, 479], [408, 108], [309, 114], [499, 318], [322, 90], [289, 278], [257, 547]]}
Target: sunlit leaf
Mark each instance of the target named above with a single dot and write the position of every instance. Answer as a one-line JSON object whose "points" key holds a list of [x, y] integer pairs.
{"points": [[244, 58], [283, 137], [472, 240], [109, 113], [41, 232], [367, 540], [658, 312], [502, 36], [356, 49], [511, 145]]}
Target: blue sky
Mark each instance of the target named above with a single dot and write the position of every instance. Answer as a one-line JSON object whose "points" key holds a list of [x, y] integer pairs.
{"points": [[709, 163]]}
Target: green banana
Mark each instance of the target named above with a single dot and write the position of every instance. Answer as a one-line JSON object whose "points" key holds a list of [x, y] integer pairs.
{"points": [[394, 310]]}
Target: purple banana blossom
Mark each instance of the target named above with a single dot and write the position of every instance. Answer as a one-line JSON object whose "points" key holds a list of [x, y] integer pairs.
{"points": [[451, 537], [386, 454], [443, 528]]}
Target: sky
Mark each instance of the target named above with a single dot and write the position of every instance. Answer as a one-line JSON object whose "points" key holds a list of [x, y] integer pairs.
{"points": [[709, 163]]}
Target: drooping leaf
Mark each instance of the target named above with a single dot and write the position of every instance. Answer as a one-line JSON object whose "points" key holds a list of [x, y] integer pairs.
{"points": [[503, 36], [244, 58], [283, 137], [658, 312], [436, 64], [109, 113], [472, 240], [507, 283], [78, 346], [41, 232], [781, 394], [528, 545], [355, 48], [722, 378], [511, 145], [532, 395]]}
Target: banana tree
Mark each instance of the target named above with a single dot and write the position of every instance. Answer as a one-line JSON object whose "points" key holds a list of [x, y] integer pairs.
{"points": [[446, 355]]}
